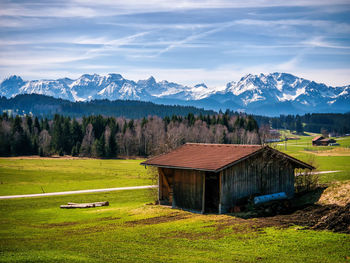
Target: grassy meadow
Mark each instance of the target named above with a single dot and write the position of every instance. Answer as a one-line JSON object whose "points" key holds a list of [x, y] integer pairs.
{"points": [[330, 158], [129, 230], [33, 176], [37, 230]]}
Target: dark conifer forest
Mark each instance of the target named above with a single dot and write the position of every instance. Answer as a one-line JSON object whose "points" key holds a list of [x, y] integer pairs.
{"points": [[111, 137], [37, 124]]}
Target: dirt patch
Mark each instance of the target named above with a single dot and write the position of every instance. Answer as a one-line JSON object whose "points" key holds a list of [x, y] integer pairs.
{"points": [[337, 220], [63, 224], [109, 218], [319, 217], [322, 217], [158, 219]]}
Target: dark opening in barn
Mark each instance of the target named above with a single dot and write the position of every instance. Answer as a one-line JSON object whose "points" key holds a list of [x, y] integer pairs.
{"points": [[213, 178]]}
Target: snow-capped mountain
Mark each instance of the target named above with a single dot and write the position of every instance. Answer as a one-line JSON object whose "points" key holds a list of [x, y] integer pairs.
{"points": [[272, 94], [281, 90]]}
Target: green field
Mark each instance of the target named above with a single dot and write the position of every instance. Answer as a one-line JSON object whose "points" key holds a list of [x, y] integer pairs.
{"points": [[32, 176], [336, 160], [37, 230]]}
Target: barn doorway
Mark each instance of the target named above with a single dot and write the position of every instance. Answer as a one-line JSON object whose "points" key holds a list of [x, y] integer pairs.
{"points": [[212, 192]]}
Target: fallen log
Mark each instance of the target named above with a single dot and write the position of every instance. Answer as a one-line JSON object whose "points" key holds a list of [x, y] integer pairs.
{"points": [[85, 205]]}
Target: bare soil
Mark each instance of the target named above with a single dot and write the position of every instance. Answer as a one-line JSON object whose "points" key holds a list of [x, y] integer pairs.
{"points": [[158, 219], [322, 217]]}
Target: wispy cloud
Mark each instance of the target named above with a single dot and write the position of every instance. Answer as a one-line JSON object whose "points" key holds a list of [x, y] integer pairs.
{"points": [[90, 8], [186, 41], [320, 42], [328, 25]]}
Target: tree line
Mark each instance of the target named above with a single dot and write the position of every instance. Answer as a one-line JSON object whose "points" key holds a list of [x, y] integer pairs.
{"points": [[336, 123], [111, 137], [45, 106]]}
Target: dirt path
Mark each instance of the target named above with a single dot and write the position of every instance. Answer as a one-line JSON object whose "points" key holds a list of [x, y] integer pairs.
{"points": [[81, 191]]}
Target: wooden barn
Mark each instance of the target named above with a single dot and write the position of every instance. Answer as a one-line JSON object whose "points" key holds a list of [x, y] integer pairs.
{"points": [[321, 141], [212, 178]]}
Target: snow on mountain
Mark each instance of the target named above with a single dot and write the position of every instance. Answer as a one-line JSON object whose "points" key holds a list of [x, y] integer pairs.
{"points": [[272, 93], [11, 86]]}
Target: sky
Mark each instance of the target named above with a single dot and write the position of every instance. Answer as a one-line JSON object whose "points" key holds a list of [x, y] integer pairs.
{"points": [[185, 41]]}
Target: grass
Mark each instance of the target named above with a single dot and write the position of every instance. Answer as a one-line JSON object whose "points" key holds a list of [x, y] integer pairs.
{"points": [[37, 230], [329, 158], [32, 176]]}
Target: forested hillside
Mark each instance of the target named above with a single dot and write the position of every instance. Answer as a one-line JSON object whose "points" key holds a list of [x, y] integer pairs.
{"points": [[98, 136], [45, 106], [336, 123]]}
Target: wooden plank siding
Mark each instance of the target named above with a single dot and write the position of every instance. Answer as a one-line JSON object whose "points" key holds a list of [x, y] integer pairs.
{"points": [[165, 186], [254, 176], [188, 189]]}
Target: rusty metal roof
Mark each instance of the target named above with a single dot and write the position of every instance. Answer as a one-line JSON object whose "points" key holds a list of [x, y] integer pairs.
{"points": [[200, 156], [327, 140], [209, 157], [317, 138]]}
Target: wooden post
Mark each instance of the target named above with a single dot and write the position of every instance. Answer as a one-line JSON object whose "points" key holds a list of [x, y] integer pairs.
{"points": [[203, 194], [159, 188], [220, 191], [160, 185]]}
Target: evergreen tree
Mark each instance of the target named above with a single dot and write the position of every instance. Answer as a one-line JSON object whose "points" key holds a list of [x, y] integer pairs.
{"points": [[98, 147], [29, 121], [112, 145], [17, 125], [41, 152], [76, 132], [74, 151], [37, 125], [298, 125], [66, 136], [35, 145], [57, 138]]}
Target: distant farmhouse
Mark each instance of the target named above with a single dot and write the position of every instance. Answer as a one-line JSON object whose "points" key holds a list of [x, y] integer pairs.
{"points": [[274, 136], [322, 141], [215, 177]]}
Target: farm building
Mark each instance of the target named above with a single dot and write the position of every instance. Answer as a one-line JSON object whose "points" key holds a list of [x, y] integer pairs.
{"points": [[215, 177], [321, 141]]}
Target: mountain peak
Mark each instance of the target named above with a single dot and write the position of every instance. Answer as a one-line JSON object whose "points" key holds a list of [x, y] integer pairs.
{"points": [[115, 76], [151, 80], [201, 85], [14, 78], [88, 76], [282, 93]]}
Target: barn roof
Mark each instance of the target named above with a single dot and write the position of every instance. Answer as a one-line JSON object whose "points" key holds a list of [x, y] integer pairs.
{"points": [[327, 140], [317, 138], [210, 157]]}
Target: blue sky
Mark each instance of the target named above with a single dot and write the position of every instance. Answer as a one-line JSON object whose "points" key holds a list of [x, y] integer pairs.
{"points": [[185, 41]]}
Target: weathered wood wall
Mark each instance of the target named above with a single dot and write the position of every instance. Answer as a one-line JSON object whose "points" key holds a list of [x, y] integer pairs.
{"points": [[188, 189], [255, 176]]}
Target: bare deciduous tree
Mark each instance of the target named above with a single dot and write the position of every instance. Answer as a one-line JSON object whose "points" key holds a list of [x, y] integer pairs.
{"points": [[44, 143], [88, 141]]}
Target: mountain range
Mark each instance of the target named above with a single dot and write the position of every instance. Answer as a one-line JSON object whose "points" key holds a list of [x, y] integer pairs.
{"points": [[271, 94]]}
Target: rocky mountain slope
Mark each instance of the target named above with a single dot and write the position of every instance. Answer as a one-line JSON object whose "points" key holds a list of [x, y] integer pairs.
{"points": [[272, 94]]}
